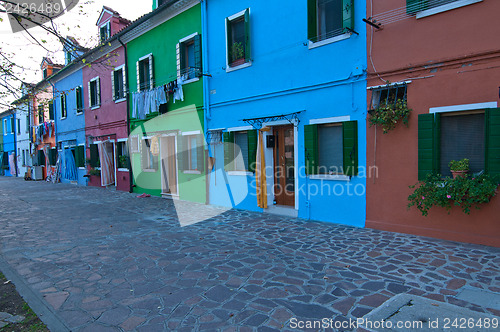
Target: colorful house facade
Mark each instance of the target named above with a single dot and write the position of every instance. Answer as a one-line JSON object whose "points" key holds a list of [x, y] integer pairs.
{"points": [[105, 100], [167, 143], [23, 125], [286, 110], [9, 163], [451, 84]]}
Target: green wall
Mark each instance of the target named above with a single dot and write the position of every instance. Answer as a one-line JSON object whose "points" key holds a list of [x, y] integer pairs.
{"points": [[181, 116]]}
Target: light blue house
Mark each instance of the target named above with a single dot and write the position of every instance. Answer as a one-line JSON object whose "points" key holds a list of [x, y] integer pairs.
{"points": [[297, 69], [69, 116], [8, 163]]}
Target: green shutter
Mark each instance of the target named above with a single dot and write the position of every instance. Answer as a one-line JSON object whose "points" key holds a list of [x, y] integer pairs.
{"points": [[348, 14], [197, 55], [229, 151], [311, 148], [182, 154], [142, 76], [415, 6], [252, 149], [229, 41], [427, 144], [52, 156], [51, 110], [200, 153], [312, 20], [350, 147], [80, 156], [94, 155], [247, 35], [492, 160], [41, 158]]}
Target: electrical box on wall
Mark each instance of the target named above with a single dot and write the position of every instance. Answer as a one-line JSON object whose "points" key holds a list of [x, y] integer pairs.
{"points": [[270, 141]]}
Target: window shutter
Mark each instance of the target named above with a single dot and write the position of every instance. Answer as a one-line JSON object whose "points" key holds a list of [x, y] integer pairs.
{"points": [[197, 55], [492, 159], [94, 155], [13, 124], [90, 96], [151, 72], [113, 85], [138, 76], [178, 57], [311, 148], [41, 158], [80, 156], [98, 90], [427, 144], [415, 6], [228, 151], [124, 82], [247, 35], [51, 110], [312, 20], [252, 149], [183, 152], [200, 153], [52, 156], [350, 142], [348, 14], [229, 41]]}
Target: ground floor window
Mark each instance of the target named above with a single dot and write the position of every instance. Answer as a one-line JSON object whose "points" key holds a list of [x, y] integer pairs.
{"points": [[149, 160]]}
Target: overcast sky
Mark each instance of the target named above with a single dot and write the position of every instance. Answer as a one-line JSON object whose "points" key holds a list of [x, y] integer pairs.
{"points": [[79, 23]]}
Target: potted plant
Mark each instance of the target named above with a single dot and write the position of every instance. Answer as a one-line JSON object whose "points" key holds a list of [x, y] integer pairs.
{"points": [[389, 115], [95, 172], [123, 161], [237, 54], [459, 168]]}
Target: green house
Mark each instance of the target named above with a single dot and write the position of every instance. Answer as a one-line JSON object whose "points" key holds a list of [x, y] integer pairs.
{"points": [[167, 145]]}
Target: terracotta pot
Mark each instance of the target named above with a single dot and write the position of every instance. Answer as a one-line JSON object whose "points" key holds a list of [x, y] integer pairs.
{"points": [[458, 174]]}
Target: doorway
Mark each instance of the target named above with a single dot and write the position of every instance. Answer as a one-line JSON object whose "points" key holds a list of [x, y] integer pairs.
{"points": [[284, 166], [168, 165]]}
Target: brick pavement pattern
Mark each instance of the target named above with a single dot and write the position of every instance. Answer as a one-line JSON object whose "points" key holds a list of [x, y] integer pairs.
{"points": [[107, 261]]}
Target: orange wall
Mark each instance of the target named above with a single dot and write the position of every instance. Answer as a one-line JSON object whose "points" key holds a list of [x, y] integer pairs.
{"points": [[452, 58]]}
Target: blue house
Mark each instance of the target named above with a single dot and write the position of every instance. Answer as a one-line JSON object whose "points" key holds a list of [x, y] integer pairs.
{"points": [[69, 115], [286, 107], [8, 163]]}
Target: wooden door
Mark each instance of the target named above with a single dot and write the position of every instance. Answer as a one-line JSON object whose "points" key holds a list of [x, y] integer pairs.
{"points": [[169, 165], [284, 166]]}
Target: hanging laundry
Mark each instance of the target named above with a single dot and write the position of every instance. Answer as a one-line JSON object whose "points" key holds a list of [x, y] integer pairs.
{"points": [[179, 94], [161, 96], [155, 146]]}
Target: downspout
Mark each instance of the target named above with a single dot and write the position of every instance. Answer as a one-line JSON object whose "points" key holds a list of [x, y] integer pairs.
{"points": [[206, 94], [54, 109], [15, 142], [130, 173]]}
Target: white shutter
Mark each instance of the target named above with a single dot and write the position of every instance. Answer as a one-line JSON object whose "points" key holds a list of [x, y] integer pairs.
{"points": [[113, 85], [90, 97], [138, 78], [151, 76], [124, 82], [98, 88], [178, 53]]}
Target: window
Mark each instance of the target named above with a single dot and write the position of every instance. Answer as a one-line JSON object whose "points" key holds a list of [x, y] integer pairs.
{"points": [[95, 93], [118, 83], [80, 156], [51, 110], [52, 156], [331, 148], [64, 108], [189, 57], [415, 6], [24, 157], [40, 114], [94, 156], [19, 126], [388, 95], [192, 155], [5, 126], [134, 144], [149, 160], [244, 143], [68, 57], [238, 39], [329, 18], [27, 122], [122, 152], [145, 73], [443, 137], [104, 32], [45, 73], [79, 100], [191, 152], [12, 125]]}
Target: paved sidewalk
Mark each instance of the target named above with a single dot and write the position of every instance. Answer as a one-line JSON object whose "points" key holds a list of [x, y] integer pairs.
{"points": [[102, 260]]}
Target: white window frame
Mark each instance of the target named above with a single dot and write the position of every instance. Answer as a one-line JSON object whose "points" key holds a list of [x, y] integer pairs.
{"points": [[65, 104], [84, 156], [76, 99], [445, 8], [151, 72], [232, 18], [464, 107], [190, 135], [123, 140], [108, 29], [122, 67], [98, 92], [134, 144], [179, 65], [143, 167]]}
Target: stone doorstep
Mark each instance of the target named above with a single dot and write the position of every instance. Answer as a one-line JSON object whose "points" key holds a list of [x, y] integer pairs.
{"points": [[415, 310]]}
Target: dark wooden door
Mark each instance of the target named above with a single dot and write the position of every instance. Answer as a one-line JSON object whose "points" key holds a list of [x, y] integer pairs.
{"points": [[284, 170]]}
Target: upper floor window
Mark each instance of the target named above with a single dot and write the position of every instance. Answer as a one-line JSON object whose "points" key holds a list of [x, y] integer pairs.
{"points": [[388, 95], [189, 57], [41, 116], [105, 32], [95, 92], [79, 100], [417, 6], [19, 126], [51, 110], [329, 18], [145, 73], [238, 39], [64, 107], [118, 83], [45, 73]]}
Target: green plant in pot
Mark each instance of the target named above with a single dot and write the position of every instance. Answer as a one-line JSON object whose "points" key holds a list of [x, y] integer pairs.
{"points": [[459, 167], [123, 161], [389, 115], [95, 172], [237, 53]]}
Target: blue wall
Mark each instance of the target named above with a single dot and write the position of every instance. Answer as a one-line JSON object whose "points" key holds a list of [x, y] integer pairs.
{"points": [[9, 139], [286, 76], [71, 130]]}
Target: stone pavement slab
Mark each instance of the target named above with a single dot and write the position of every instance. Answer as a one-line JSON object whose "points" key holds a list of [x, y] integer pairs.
{"points": [[98, 259]]}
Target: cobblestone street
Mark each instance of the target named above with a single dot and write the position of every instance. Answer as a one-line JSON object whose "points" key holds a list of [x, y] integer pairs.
{"points": [[102, 260]]}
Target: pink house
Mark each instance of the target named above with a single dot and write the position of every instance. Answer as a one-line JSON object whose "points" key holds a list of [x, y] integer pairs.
{"points": [[105, 100]]}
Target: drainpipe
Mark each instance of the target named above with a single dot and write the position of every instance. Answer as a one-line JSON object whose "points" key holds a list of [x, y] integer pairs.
{"points": [[15, 142], [130, 174], [206, 94], [54, 109]]}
